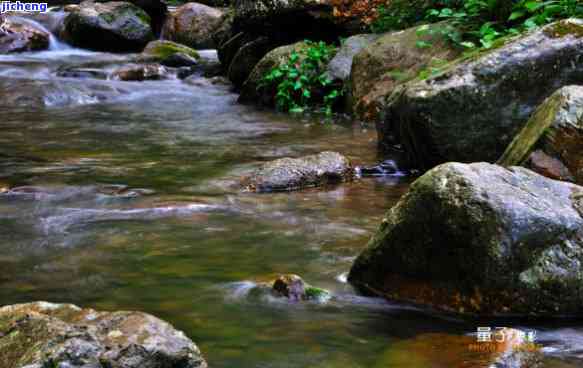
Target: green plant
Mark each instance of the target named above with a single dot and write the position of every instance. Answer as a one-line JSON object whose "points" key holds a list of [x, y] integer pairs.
{"points": [[301, 82], [479, 23]]}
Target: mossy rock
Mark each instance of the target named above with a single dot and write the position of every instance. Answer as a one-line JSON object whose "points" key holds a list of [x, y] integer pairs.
{"points": [[162, 50], [472, 110], [556, 129], [480, 239], [63, 335], [391, 60], [113, 26]]}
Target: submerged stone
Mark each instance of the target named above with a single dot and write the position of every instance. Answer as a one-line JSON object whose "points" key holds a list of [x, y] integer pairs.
{"points": [[288, 174], [480, 239], [551, 143], [41, 335]]}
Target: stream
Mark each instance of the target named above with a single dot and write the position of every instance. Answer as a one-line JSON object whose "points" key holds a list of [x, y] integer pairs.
{"points": [[125, 196]]}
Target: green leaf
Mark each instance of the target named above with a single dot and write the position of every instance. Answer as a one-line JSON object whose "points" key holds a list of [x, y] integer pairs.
{"points": [[423, 44], [516, 15]]}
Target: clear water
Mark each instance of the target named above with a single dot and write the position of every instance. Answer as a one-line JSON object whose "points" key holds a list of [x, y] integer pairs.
{"points": [[127, 197]]}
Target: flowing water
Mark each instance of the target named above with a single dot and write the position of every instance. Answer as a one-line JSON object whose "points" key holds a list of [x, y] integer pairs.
{"points": [[125, 195]]}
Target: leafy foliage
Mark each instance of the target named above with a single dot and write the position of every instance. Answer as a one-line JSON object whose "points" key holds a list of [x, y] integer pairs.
{"points": [[478, 23], [301, 81]]}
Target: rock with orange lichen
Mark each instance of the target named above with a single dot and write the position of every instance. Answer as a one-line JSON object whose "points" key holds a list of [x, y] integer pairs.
{"points": [[41, 335], [481, 239]]}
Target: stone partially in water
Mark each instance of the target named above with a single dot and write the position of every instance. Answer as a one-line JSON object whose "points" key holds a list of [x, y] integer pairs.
{"points": [[140, 72], [164, 51], [296, 289], [18, 36], [480, 239], [551, 142], [113, 26], [473, 109], [40, 335], [288, 174]]}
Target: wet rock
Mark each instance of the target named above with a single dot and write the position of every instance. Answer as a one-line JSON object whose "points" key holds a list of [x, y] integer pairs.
{"points": [[296, 289], [551, 142], [340, 66], [19, 36], [480, 239], [474, 108], [140, 72], [291, 287], [250, 92], [40, 335], [193, 25], [171, 54], [112, 26], [288, 174], [393, 59]]}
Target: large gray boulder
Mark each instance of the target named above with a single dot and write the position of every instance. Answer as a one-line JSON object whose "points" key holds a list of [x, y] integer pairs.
{"points": [[551, 143], [340, 66], [390, 61], [472, 109], [41, 335], [19, 36], [288, 174], [113, 26], [193, 25], [480, 239]]}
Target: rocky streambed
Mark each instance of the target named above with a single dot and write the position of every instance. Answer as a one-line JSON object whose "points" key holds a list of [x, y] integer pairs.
{"points": [[131, 179]]}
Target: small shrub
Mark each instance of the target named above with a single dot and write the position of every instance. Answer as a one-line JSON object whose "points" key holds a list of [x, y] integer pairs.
{"points": [[301, 82]]}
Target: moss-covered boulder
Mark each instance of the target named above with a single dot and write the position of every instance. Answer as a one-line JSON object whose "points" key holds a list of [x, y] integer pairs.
{"points": [[480, 239], [391, 60], [17, 36], [251, 91], [473, 109], [170, 53], [288, 174], [193, 24], [42, 335], [551, 143], [113, 26]]}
